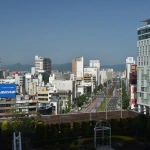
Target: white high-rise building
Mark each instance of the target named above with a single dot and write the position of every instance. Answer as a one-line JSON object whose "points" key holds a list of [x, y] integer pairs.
{"points": [[129, 61], [42, 65], [143, 67], [96, 64]]}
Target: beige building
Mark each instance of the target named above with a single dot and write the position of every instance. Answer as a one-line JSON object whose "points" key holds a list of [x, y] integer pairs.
{"points": [[89, 78], [74, 66], [32, 88], [42, 94], [77, 66]]}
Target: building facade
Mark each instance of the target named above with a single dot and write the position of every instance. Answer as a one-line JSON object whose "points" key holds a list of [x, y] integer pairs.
{"points": [[77, 67], [143, 65], [42, 65]]}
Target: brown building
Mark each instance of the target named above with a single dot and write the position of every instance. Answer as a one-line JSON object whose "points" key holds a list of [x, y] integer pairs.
{"points": [[74, 66]]}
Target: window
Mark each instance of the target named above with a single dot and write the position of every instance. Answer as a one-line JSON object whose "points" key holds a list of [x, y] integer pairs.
{"points": [[145, 52], [139, 63], [147, 42], [145, 47], [139, 44], [147, 62], [144, 42]]}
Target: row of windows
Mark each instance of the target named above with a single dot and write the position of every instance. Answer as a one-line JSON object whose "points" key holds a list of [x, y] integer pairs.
{"points": [[142, 53], [143, 31], [42, 94], [143, 63], [5, 105], [142, 37], [144, 47], [145, 42], [143, 58]]}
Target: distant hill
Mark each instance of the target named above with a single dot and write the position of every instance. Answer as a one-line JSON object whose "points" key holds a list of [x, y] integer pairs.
{"points": [[119, 67], [17, 67], [59, 67]]}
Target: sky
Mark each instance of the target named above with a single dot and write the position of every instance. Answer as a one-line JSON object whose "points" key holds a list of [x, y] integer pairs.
{"points": [[104, 30]]}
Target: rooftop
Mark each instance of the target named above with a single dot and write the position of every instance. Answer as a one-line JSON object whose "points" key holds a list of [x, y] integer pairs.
{"points": [[146, 20]]}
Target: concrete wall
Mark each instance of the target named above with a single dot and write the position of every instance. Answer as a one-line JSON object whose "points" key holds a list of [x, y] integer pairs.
{"points": [[51, 119]]}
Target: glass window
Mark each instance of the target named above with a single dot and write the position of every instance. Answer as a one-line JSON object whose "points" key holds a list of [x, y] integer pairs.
{"points": [[147, 42], [139, 44], [145, 52], [144, 42], [139, 63], [147, 62]]}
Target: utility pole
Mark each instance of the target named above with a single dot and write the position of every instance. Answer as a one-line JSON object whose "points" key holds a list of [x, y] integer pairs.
{"points": [[106, 93]]}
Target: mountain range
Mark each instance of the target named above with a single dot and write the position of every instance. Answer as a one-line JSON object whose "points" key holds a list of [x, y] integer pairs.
{"points": [[59, 67]]}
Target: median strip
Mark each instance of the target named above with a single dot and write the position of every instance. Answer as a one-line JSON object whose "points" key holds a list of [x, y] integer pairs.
{"points": [[102, 107]]}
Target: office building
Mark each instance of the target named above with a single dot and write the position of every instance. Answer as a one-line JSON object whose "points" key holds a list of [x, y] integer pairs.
{"points": [[42, 65], [143, 67]]}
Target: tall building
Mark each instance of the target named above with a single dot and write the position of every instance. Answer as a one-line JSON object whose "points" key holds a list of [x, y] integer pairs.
{"points": [[42, 65], [129, 61], [77, 67], [143, 65]]}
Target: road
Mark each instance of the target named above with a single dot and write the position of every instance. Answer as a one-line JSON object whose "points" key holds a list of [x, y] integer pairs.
{"points": [[112, 104], [92, 107]]}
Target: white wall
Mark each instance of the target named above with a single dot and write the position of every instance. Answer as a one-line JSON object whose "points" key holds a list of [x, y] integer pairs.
{"points": [[93, 72], [103, 74], [80, 65], [65, 85], [95, 63]]}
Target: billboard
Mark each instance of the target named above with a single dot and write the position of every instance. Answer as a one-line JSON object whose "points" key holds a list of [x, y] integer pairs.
{"points": [[7, 90]]}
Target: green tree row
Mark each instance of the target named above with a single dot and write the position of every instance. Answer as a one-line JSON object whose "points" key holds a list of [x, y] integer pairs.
{"points": [[41, 133], [125, 102]]}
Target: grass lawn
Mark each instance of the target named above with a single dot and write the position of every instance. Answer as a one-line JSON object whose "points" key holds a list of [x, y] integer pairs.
{"points": [[102, 106]]}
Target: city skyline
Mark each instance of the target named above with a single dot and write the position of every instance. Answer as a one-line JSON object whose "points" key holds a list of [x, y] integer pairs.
{"points": [[104, 31]]}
